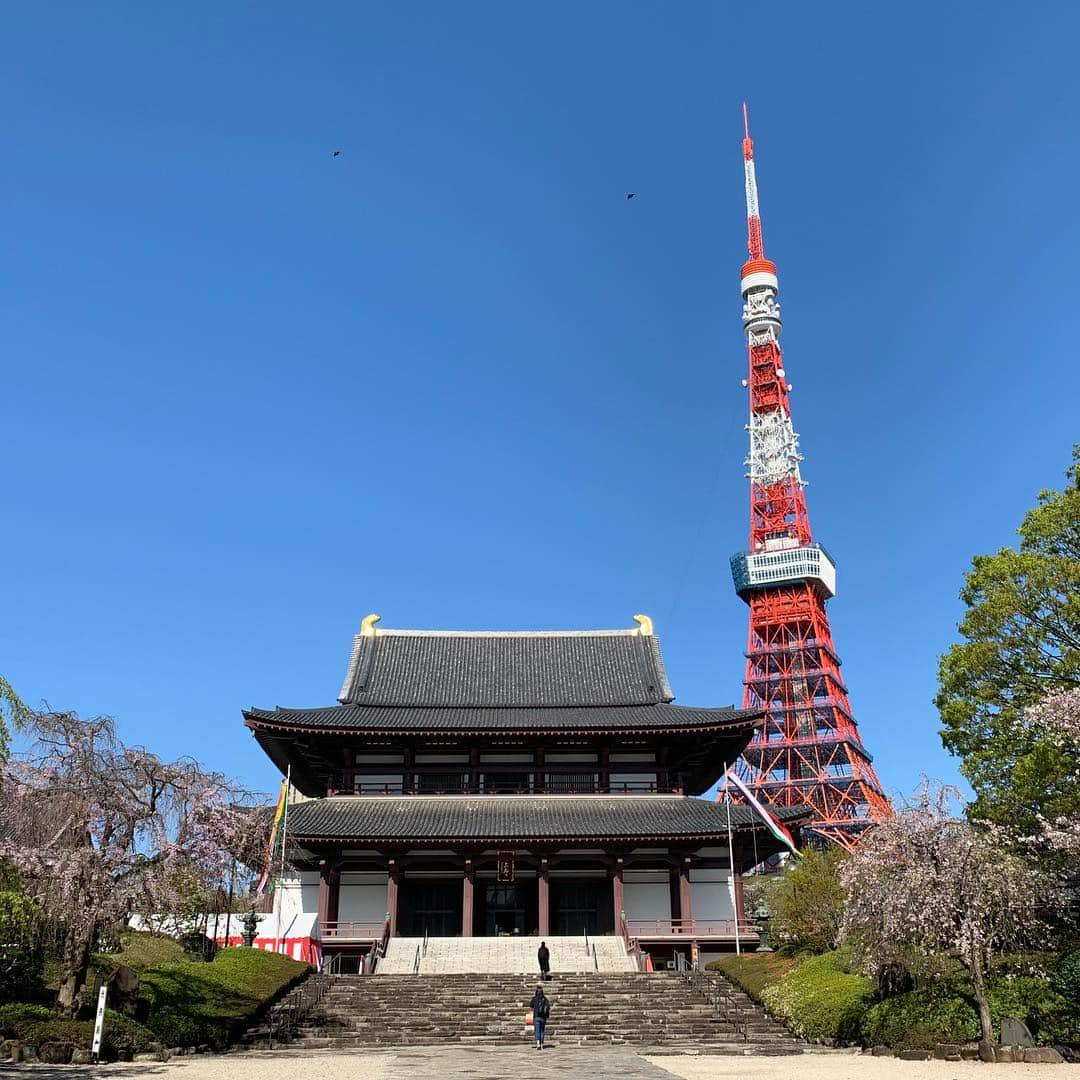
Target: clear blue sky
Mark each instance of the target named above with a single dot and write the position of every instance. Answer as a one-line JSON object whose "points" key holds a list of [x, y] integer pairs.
{"points": [[252, 392]]}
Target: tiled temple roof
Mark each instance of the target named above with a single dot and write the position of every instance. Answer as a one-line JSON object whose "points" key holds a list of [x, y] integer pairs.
{"points": [[497, 818], [365, 718], [543, 669]]}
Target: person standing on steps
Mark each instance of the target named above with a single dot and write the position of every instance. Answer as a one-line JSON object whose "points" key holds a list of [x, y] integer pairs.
{"points": [[541, 1010], [543, 958]]}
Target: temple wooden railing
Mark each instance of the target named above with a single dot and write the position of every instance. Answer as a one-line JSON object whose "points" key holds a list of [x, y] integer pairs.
{"points": [[496, 781], [344, 930], [719, 929]]}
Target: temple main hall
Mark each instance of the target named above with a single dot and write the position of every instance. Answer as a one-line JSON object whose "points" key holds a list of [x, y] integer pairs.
{"points": [[513, 784]]}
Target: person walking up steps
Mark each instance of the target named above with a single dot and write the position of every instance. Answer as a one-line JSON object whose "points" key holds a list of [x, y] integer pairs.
{"points": [[541, 1010], [543, 958]]}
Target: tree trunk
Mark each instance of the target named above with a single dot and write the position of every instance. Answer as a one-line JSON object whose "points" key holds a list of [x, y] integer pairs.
{"points": [[978, 983], [74, 966]]}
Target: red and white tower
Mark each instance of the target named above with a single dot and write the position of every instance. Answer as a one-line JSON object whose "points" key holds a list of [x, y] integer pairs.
{"points": [[809, 750]]}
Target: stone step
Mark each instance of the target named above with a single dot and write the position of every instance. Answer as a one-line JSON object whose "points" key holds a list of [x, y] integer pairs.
{"points": [[718, 1049], [643, 1009]]}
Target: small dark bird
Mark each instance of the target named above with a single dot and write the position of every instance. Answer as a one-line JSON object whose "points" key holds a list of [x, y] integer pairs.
{"points": [[631, 194], [336, 153]]}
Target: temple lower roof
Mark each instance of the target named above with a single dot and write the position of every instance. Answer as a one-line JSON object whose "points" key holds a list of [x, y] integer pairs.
{"points": [[660, 717], [532, 819]]}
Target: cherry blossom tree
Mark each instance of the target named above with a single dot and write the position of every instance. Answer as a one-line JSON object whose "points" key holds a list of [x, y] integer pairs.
{"points": [[927, 882], [1056, 722], [100, 831]]}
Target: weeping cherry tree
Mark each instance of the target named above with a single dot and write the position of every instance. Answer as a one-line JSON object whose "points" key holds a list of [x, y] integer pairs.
{"points": [[101, 831]]}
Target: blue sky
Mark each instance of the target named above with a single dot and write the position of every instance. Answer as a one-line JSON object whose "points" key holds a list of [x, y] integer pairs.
{"points": [[252, 392]]}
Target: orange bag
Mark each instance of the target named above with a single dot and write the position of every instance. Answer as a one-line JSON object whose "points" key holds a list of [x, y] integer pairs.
{"points": [[528, 1018]]}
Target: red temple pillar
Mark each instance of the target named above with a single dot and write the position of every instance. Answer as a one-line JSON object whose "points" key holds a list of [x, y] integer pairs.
{"points": [[393, 878], [468, 888], [617, 895], [543, 900], [686, 904]]}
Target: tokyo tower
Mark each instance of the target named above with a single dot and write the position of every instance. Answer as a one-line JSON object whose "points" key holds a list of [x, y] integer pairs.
{"points": [[809, 750]]}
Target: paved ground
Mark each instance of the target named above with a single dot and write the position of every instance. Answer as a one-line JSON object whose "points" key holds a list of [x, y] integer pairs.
{"points": [[523, 1063]]}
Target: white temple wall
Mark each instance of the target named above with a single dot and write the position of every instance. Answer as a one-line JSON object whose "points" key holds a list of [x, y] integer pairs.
{"points": [[712, 894], [647, 894], [362, 898], [298, 894]]}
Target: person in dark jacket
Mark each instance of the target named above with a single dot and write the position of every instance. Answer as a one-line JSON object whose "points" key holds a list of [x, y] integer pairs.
{"points": [[543, 957], [541, 1010]]}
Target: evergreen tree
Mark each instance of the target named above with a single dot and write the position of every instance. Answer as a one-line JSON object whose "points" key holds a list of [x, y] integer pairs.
{"points": [[1021, 643]]}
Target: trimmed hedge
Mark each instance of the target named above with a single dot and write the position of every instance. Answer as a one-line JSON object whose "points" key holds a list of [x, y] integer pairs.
{"points": [[919, 1019], [1034, 1001], [142, 949], [1066, 978], [193, 1002], [753, 972], [946, 1012], [821, 999], [37, 1024]]}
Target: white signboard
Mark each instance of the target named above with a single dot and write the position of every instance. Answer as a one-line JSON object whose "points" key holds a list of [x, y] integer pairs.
{"points": [[99, 1022]]}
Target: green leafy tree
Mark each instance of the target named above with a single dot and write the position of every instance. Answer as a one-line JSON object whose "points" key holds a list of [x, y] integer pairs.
{"points": [[20, 945], [1021, 642], [806, 903], [13, 712]]}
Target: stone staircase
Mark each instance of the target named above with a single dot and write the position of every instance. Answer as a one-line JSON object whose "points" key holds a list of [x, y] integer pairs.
{"points": [[511, 955], [655, 1010]]}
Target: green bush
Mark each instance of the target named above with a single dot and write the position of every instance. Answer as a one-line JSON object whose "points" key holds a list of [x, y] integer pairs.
{"points": [[20, 925], [946, 1012], [920, 1018], [821, 999], [37, 1024], [1034, 1001], [1066, 977], [193, 1002], [176, 1027], [753, 972]]}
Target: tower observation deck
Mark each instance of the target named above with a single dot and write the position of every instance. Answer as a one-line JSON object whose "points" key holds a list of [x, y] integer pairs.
{"points": [[809, 750]]}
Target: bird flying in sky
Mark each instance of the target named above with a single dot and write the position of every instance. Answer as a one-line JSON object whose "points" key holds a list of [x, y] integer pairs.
{"points": [[336, 153], [631, 194]]}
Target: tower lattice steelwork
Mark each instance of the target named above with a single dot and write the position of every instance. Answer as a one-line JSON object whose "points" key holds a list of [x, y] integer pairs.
{"points": [[809, 750]]}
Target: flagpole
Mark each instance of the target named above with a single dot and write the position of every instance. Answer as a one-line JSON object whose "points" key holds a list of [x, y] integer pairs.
{"points": [[281, 873], [731, 863]]}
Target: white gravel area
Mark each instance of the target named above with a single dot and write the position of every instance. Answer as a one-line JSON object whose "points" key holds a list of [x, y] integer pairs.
{"points": [[851, 1066]]}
